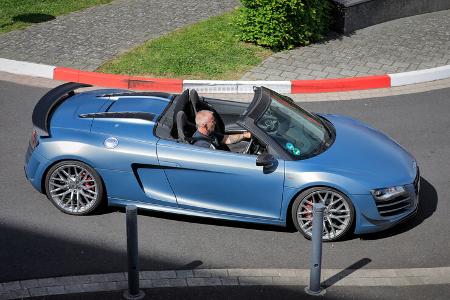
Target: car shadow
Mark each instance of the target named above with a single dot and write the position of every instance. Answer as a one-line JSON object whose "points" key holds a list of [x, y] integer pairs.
{"points": [[427, 206], [201, 220]]}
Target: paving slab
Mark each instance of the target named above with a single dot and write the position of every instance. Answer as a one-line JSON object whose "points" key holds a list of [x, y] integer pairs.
{"points": [[87, 38], [407, 44]]}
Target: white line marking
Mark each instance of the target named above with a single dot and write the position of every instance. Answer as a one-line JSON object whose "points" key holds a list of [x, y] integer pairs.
{"points": [[235, 87], [26, 68], [420, 76]]}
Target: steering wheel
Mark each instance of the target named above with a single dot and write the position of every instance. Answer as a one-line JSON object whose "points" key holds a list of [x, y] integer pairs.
{"points": [[269, 124], [248, 146]]}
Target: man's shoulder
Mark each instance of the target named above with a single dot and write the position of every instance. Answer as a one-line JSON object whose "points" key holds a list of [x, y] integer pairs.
{"points": [[200, 140], [197, 134]]}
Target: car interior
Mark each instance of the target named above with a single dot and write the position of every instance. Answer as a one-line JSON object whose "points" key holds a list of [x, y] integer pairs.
{"points": [[178, 122]]}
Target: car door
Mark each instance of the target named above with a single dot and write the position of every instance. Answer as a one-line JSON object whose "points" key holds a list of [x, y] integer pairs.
{"points": [[130, 169], [222, 182]]}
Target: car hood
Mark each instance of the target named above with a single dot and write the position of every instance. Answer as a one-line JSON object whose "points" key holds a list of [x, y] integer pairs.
{"points": [[366, 154]]}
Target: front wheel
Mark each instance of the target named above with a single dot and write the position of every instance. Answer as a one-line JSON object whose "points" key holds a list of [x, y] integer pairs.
{"points": [[74, 187], [338, 216]]}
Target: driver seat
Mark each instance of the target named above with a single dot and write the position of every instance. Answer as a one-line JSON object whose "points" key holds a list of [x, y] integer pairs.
{"points": [[185, 129], [200, 104]]}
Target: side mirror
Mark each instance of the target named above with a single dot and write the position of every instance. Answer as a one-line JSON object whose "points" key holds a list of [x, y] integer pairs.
{"points": [[265, 159]]}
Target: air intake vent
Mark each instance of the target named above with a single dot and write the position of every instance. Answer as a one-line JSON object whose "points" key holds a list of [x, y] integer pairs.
{"points": [[394, 206]]}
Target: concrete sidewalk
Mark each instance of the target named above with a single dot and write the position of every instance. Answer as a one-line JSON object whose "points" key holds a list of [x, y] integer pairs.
{"points": [[407, 44], [435, 292], [353, 276], [85, 39]]}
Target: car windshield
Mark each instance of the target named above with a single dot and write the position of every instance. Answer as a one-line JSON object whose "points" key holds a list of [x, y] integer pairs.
{"points": [[299, 132]]}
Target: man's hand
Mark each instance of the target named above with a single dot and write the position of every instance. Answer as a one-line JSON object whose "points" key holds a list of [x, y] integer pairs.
{"points": [[235, 138]]}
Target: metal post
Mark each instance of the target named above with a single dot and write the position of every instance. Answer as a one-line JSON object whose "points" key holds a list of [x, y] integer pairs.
{"points": [[316, 255], [133, 291]]}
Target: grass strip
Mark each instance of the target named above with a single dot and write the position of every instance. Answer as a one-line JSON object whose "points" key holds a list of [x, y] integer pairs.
{"points": [[18, 14], [206, 50]]}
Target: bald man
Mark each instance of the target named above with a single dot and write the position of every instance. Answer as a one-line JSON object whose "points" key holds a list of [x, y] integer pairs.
{"points": [[207, 138]]}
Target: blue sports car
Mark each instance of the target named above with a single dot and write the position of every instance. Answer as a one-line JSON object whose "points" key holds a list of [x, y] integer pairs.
{"points": [[121, 147]]}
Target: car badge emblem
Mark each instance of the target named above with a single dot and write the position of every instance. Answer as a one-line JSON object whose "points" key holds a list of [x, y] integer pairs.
{"points": [[111, 143]]}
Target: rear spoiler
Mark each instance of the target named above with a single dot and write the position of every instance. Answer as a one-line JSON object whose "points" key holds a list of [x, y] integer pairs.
{"points": [[44, 108]]}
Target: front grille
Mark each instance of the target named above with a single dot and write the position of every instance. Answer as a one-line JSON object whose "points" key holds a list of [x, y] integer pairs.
{"points": [[402, 203], [394, 206]]}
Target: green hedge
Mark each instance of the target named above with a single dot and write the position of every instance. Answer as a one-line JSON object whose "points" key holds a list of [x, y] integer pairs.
{"points": [[283, 24]]}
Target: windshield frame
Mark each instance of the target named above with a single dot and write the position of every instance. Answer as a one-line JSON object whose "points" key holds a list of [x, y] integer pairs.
{"points": [[261, 103]]}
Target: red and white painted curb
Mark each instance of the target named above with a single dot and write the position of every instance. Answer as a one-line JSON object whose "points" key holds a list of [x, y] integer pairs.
{"points": [[223, 86]]}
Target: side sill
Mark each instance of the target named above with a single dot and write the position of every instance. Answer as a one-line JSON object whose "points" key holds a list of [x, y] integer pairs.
{"points": [[189, 212]]}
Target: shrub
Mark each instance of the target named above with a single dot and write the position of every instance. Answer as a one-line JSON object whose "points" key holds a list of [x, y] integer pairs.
{"points": [[283, 24]]}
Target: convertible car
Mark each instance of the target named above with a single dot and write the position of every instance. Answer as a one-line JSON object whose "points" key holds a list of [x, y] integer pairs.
{"points": [[121, 147]]}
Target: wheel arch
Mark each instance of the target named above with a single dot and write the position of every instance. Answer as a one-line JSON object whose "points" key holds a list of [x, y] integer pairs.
{"points": [[47, 169], [287, 211]]}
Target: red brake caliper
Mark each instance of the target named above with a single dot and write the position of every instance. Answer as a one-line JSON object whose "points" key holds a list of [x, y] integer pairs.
{"points": [[310, 208], [87, 184]]}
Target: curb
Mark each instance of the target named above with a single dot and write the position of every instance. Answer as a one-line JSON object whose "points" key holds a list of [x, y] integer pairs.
{"points": [[223, 277], [223, 86]]}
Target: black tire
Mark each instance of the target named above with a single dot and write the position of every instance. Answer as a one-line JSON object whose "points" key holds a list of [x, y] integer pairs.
{"points": [[339, 214], [74, 187]]}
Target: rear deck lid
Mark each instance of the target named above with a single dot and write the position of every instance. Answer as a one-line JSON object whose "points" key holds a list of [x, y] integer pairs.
{"points": [[130, 116]]}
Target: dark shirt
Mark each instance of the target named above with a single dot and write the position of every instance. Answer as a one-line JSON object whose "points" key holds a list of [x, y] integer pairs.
{"points": [[212, 141]]}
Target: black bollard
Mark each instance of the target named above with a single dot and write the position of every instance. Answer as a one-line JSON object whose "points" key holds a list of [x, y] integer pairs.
{"points": [[316, 255], [133, 291]]}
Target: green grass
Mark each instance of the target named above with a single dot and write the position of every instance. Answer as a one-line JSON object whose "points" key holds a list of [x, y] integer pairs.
{"points": [[18, 14], [206, 50]]}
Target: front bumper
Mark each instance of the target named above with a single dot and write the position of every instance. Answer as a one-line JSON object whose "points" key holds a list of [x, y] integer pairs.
{"points": [[371, 218]]}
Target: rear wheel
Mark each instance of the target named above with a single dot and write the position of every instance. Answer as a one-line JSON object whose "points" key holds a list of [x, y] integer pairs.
{"points": [[74, 187], [338, 215]]}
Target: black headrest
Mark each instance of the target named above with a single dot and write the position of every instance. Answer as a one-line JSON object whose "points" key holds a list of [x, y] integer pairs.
{"points": [[195, 99], [181, 126], [180, 104]]}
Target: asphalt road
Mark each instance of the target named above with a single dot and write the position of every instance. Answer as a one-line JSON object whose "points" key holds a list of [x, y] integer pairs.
{"points": [[37, 240]]}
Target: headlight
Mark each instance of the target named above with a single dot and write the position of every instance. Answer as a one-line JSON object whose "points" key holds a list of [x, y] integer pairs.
{"points": [[388, 193]]}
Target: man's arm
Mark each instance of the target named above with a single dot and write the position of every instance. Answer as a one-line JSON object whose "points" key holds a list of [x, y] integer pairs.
{"points": [[235, 138]]}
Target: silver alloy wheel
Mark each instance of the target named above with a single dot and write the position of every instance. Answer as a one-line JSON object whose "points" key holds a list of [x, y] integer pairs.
{"points": [[336, 218], [73, 188]]}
